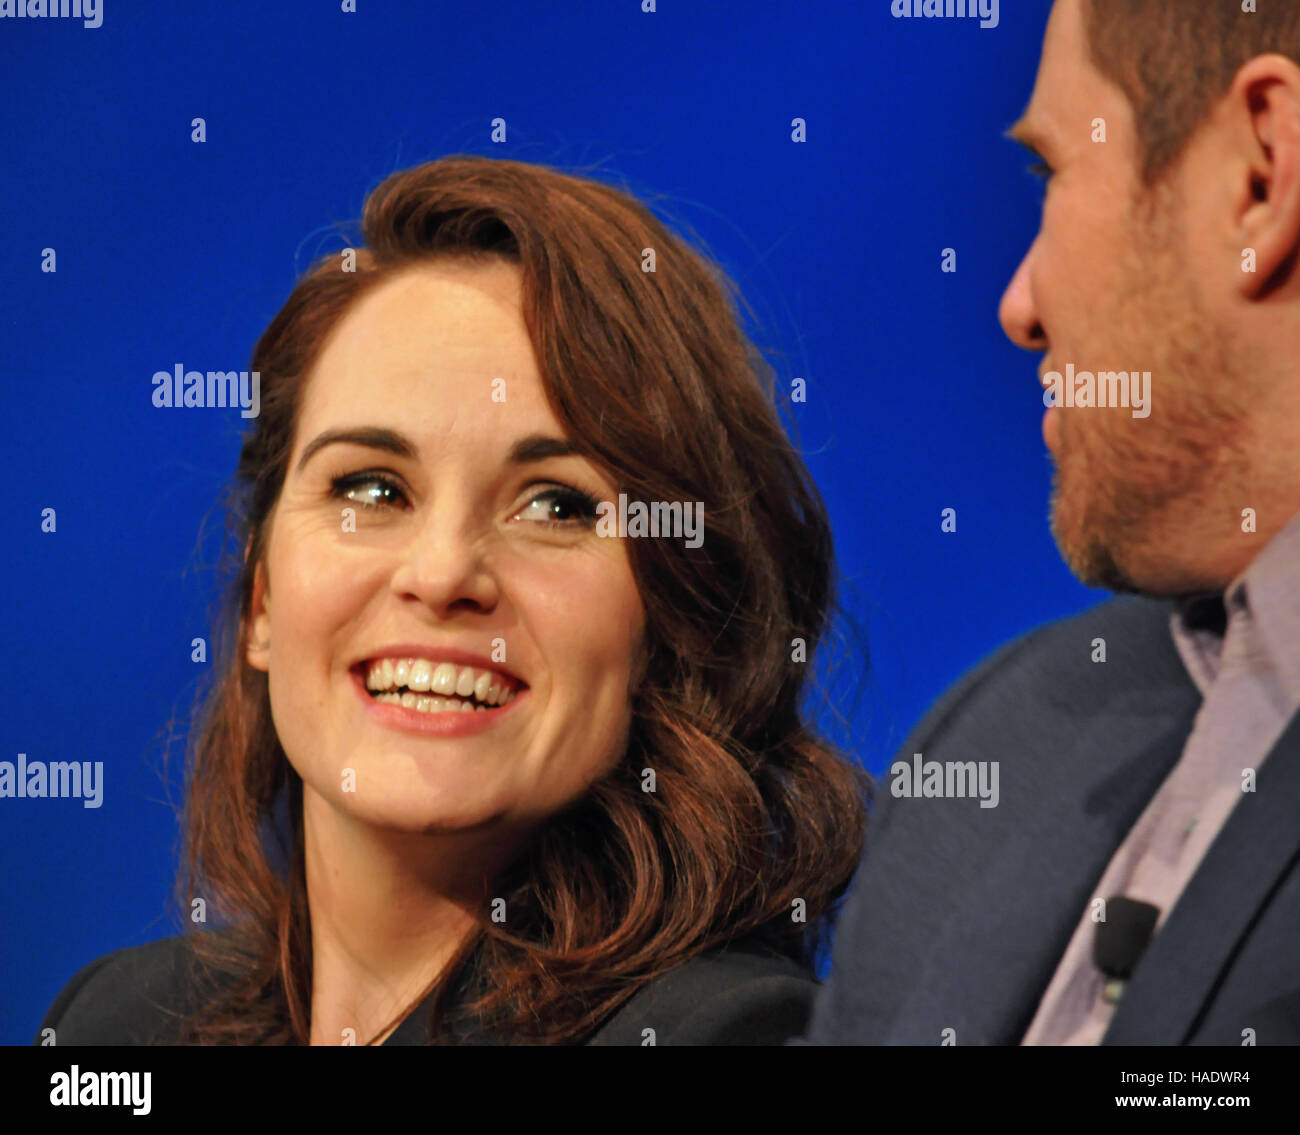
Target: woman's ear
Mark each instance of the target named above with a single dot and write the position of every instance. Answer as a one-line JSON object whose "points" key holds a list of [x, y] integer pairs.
{"points": [[259, 626]]}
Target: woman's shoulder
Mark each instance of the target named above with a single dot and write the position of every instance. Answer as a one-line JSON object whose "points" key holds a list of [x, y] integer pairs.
{"points": [[132, 996], [744, 994]]}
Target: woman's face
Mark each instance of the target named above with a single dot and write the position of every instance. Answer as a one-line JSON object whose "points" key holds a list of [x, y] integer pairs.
{"points": [[432, 533]]}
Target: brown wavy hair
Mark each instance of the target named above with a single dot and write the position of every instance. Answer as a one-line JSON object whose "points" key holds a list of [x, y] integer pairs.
{"points": [[755, 821]]}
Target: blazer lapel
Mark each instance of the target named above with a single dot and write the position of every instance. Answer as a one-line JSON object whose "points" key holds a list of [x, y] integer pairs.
{"points": [[1182, 966], [458, 1029]]}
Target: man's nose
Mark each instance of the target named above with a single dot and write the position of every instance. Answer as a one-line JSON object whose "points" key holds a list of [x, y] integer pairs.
{"points": [[1017, 312]]}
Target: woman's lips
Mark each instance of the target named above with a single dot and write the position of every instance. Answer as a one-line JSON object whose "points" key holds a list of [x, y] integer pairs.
{"points": [[448, 723]]}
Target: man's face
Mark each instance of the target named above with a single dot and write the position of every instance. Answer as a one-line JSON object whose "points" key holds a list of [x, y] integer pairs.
{"points": [[1111, 283]]}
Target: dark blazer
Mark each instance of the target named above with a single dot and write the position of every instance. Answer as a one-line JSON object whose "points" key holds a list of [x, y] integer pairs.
{"points": [[960, 914], [747, 994]]}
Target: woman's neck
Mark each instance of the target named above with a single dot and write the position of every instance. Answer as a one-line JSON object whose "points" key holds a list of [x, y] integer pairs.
{"points": [[388, 911]]}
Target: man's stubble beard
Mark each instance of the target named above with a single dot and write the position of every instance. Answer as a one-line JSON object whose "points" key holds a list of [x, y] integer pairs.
{"points": [[1128, 494]]}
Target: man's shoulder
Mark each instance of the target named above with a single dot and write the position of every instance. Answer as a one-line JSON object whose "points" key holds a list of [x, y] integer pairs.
{"points": [[1134, 629], [1070, 728], [132, 996], [1122, 643], [745, 994]]}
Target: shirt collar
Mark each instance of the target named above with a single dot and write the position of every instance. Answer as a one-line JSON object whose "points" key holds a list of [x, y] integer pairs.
{"points": [[1268, 593]]}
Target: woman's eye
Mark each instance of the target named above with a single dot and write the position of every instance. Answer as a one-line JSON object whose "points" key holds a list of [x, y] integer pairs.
{"points": [[560, 507], [370, 490]]}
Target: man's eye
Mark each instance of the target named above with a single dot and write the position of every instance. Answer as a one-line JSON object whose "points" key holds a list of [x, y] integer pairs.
{"points": [[370, 490], [563, 507]]}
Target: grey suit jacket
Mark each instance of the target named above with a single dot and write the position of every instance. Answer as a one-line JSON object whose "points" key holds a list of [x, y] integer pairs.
{"points": [[747, 994], [960, 914]]}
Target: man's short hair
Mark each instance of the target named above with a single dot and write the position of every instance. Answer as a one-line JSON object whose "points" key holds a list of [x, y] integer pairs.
{"points": [[1175, 59]]}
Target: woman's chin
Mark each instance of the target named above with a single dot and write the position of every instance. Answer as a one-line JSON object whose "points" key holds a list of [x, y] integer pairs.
{"points": [[417, 807]]}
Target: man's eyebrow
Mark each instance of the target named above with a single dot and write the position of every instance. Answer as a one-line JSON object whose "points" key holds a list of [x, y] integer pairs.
{"points": [[534, 447], [372, 437]]}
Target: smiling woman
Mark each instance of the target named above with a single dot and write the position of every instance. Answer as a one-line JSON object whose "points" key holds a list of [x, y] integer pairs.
{"points": [[472, 770]]}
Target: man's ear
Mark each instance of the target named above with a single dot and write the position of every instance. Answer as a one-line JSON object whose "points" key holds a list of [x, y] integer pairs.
{"points": [[1268, 203], [259, 621]]}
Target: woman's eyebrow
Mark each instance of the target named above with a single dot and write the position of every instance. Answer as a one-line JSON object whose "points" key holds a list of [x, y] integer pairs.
{"points": [[538, 447], [533, 447], [373, 437]]}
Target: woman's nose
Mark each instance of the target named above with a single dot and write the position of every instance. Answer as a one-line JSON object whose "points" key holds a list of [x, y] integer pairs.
{"points": [[444, 564]]}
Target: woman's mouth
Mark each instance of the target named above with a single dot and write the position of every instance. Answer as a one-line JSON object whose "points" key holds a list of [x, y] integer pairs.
{"points": [[430, 687]]}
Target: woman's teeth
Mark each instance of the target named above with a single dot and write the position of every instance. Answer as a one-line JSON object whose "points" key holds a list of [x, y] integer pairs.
{"points": [[416, 683]]}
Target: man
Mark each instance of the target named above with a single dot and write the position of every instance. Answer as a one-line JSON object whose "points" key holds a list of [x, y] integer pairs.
{"points": [[1138, 879]]}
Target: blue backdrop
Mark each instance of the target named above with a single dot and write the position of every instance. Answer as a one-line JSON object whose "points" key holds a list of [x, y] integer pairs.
{"points": [[173, 251]]}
